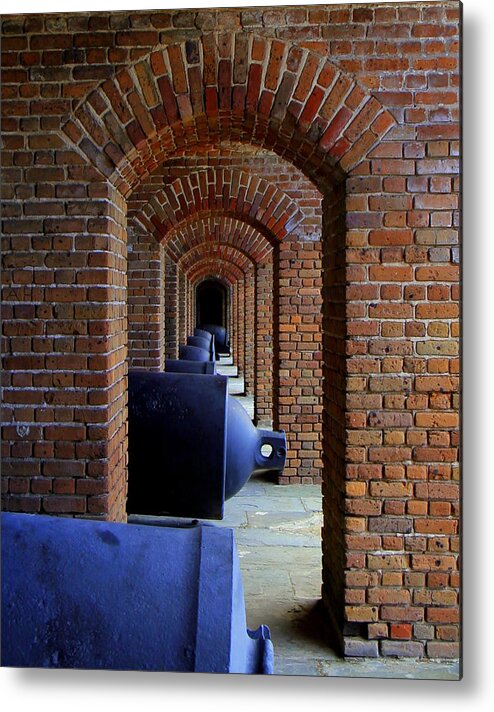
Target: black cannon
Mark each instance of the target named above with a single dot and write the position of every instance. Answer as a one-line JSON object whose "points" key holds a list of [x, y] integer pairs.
{"points": [[201, 342], [183, 366], [191, 445], [193, 353], [221, 341], [210, 338], [98, 595]]}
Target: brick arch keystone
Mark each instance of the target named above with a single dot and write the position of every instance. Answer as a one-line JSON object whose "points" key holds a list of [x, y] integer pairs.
{"points": [[227, 86], [229, 191]]}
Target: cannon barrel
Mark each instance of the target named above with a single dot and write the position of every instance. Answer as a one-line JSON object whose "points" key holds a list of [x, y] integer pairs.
{"points": [[207, 335], [183, 366], [222, 344], [98, 595], [200, 342], [193, 353], [191, 445]]}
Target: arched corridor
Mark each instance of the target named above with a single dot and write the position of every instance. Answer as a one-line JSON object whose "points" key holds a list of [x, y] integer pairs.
{"points": [[265, 152]]}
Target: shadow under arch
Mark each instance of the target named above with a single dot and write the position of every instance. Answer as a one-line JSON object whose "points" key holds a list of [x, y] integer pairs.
{"points": [[211, 300]]}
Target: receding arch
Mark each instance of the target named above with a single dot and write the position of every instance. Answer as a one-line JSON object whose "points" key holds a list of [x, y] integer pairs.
{"points": [[212, 251], [217, 268], [221, 191], [218, 232], [323, 123], [221, 230]]}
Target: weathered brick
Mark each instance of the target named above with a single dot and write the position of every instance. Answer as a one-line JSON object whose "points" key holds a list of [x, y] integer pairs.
{"points": [[390, 318], [402, 649]]}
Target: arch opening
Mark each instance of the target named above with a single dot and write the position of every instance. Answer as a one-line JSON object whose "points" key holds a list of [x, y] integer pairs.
{"points": [[211, 303], [353, 376]]}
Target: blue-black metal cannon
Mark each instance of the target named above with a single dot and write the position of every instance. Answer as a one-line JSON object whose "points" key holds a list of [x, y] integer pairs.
{"points": [[193, 353], [221, 341], [98, 595], [183, 366], [191, 445], [202, 343], [210, 339]]}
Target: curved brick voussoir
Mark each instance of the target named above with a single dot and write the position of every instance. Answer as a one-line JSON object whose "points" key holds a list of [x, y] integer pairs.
{"points": [[214, 251], [232, 192], [219, 231], [215, 268], [232, 87]]}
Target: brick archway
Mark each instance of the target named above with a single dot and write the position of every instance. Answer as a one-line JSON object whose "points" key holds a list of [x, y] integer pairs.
{"points": [[213, 252], [221, 230], [390, 265], [211, 260], [188, 95], [224, 192], [214, 88]]}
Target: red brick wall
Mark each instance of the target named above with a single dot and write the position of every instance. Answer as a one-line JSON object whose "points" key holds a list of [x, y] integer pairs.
{"points": [[298, 358], [171, 308], [145, 300], [99, 110], [250, 319]]}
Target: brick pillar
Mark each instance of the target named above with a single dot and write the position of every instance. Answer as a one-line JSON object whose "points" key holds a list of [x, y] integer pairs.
{"points": [[65, 350], [171, 308], [233, 322], [182, 306], [299, 392], [240, 359], [192, 306], [145, 301], [250, 330], [264, 351]]}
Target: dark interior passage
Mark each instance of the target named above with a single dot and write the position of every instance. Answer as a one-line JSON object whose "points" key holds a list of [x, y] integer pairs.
{"points": [[211, 305]]}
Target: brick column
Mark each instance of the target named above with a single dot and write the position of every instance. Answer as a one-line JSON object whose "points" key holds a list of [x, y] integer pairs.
{"points": [[65, 349], [264, 350], [145, 301], [240, 358], [250, 330], [335, 488], [182, 306], [298, 395], [192, 307], [233, 322], [171, 308]]}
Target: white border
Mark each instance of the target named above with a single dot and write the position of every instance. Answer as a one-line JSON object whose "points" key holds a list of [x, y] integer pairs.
{"points": [[52, 690]]}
